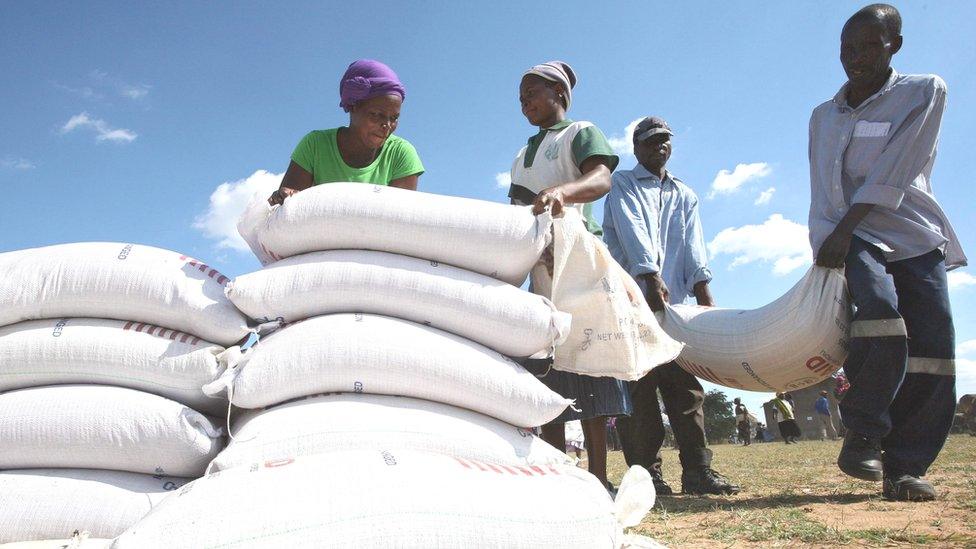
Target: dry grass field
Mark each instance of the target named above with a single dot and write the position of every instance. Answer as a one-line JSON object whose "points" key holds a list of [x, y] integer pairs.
{"points": [[795, 496]]}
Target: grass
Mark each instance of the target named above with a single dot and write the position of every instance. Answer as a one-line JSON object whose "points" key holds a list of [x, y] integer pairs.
{"points": [[795, 496]]}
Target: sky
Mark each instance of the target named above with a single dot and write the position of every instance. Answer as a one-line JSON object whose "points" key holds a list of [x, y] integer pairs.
{"points": [[155, 123]]}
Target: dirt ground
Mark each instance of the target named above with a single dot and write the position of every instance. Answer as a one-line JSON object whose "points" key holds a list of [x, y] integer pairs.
{"points": [[794, 495]]}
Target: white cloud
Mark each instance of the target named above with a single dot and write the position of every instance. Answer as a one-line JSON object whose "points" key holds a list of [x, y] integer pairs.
{"points": [[12, 163], [965, 376], [135, 92], [966, 347], [103, 132], [765, 196], [227, 202], [503, 180], [727, 182], [778, 241], [960, 279], [624, 146]]}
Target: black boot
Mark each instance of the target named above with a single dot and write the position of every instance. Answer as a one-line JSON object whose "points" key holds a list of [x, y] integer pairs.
{"points": [[905, 487], [706, 481], [661, 487], [860, 457]]}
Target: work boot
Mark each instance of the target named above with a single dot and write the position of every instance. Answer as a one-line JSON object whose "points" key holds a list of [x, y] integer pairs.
{"points": [[860, 457], [706, 481], [905, 487], [661, 487]]}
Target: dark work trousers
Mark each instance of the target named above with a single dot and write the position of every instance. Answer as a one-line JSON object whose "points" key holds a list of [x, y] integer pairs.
{"points": [[901, 361], [642, 434]]}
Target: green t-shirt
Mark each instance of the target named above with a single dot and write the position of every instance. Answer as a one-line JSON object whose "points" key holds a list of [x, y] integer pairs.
{"points": [[318, 153]]}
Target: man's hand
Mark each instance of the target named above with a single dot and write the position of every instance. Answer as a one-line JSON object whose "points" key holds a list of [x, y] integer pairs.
{"points": [[657, 291], [833, 252], [551, 199]]}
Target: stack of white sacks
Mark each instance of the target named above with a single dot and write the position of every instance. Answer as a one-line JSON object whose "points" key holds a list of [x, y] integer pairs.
{"points": [[386, 411], [104, 349]]}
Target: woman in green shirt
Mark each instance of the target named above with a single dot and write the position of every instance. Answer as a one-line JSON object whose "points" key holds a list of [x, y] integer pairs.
{"points": [[364, 152]]}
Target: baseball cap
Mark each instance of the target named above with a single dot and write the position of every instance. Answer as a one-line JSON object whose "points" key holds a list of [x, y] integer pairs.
{"points": [[652, 125]]}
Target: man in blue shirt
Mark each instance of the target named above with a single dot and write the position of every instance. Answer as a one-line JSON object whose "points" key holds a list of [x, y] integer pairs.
{"points": [[873, 213], [826, 421], [651, 227]]}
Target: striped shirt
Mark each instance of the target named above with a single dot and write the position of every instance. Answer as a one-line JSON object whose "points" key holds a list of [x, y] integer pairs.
{"points": [[882, 153]]}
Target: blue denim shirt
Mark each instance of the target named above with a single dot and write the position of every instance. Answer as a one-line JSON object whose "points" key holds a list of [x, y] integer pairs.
{"points": [[652, 226]]}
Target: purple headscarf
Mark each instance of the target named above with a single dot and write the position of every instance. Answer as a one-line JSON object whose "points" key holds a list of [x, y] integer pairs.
{"points": [[366, 79]]}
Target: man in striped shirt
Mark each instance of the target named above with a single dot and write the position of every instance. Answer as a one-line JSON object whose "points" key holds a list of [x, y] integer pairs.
{"points": [[874, 214]]}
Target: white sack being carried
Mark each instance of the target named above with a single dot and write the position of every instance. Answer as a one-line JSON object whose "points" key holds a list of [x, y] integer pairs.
{"points": [[614, 333], [43, 504], [380, 355], [383, 499], [334, 423], [120, 281], [98, 427], [112, 352], [493, 313], [794, 342], [493, 239]]}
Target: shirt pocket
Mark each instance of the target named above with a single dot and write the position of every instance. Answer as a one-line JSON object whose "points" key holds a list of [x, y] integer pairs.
{"points": [[867, 143]]}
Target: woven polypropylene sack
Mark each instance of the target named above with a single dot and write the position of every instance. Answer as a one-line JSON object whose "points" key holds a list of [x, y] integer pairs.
{"points": [[493, 239], [383, 499], [493, 313], [794, 342], [40, 504], [120, 281], [333, 423], [99, 427], [380, 355], [112, 352]]}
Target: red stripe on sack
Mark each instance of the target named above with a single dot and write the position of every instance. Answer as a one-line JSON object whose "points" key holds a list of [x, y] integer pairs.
{"points": [[173, 335], [509, 469], [203, 267], [183, 338], [537, 469], [524, 471], [195, 340], [553, 470], [222, 280], [493, 468], [128, 325], [162, 333], [140, 327], [461, 461], [479, 465]]}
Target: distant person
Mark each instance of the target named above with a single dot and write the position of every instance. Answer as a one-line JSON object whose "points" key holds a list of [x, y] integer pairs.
{"points": [[822, 407], [567, 164], [652, 228], [788, 429], [873, 213], [366, 151], [742, 421], [761, 434]]}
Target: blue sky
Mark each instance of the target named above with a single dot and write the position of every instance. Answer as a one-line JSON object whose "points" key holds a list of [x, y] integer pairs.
{"points": [[151, 124]]}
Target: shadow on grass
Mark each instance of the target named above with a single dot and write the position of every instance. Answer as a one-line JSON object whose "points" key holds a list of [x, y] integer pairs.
{"points": [[694, 504]]}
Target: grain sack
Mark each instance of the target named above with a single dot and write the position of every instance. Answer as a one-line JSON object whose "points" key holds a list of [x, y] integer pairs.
{"points": [[493, 313], [43, 504], [383, 499], [98, 427], [120, 281], [794, 342], [380, 355], [335, 423], [77, 542], [112, 352], [614, 333], [493, 239]]}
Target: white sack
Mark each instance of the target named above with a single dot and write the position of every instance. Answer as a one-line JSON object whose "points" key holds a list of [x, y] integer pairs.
{"points": [[493, 239], [120, 281], [493, 313], [43, 504], [380, 355], [112, 352], [614, 333], [383, 499], [335, 423], [78, 542], [794, 342], [98, 427]]}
